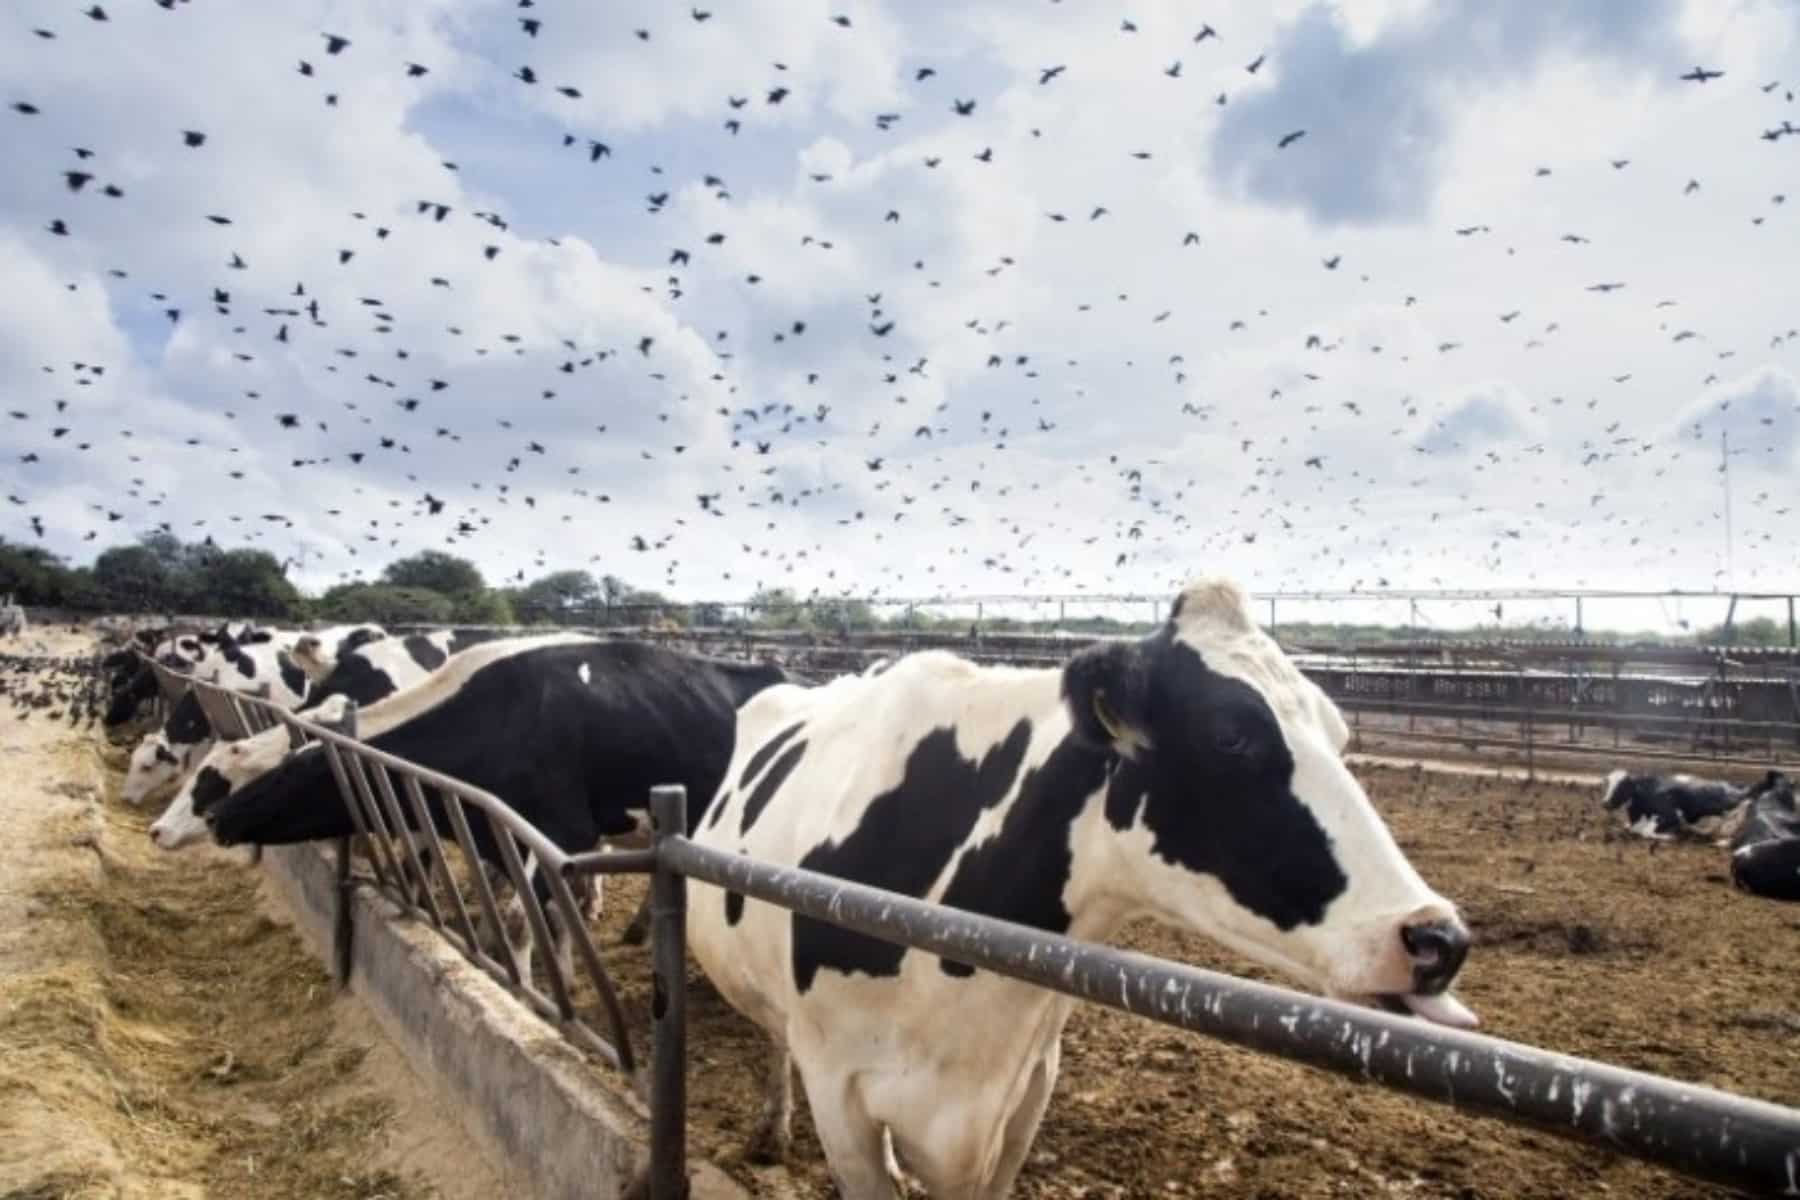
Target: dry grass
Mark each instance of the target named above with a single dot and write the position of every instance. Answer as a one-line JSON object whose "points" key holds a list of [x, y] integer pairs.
{"points": [[176, 1041]]}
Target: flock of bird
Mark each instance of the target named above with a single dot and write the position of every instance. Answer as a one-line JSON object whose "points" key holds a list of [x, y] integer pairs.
{"points": [[389, 412], [69, 689]]}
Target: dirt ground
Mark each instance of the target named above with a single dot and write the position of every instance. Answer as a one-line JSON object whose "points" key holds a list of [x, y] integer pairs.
{"points": [[1587, 941], [161, 1034]]}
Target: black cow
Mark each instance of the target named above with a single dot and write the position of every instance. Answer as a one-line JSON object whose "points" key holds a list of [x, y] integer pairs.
{"points": [[571, 734], [1663, 807], [1765, 851]]}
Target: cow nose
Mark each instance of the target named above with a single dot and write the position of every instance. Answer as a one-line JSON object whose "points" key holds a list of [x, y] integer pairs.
{"points": [[1438, 949]]}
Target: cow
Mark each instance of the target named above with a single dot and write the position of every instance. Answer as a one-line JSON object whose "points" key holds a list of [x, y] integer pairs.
{"points": [[1191, 776], [1665, 807], [370, 673], [1765, 850], [318, 652], [165, 756], [134, 683], [570, 731]]}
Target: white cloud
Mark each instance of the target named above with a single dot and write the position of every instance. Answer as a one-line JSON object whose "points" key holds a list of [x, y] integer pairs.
{"points": [[1453, 390]]}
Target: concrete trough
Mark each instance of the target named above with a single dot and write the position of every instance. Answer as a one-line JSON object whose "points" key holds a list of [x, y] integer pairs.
{"points": [[552, 1124]]}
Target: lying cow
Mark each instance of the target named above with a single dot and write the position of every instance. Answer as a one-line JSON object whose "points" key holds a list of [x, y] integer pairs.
{"points": [[1765, 851], [1664, 807], [1193, 776], [570, 731], [367, 674]]}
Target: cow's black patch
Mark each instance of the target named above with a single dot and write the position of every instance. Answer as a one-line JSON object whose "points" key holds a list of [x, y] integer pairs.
{"points": [[210, 787], [903, 843], [771, 783], [246, 666], [766, 751], [1216, 790], [292, 677], [462, 639], [187, 723], [358, 637], [355, 677], [1019, 874], [734, 907], [422, 650]]}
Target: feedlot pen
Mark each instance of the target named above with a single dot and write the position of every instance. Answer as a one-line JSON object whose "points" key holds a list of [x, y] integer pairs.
{"points": [[1584, 941]]}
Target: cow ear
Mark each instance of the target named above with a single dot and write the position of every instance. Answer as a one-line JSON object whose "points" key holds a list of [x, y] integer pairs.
{"points": [[1107, 689]]}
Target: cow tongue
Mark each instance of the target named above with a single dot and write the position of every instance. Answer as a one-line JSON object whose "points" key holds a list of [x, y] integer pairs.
{"points": [[1442, 1009]]}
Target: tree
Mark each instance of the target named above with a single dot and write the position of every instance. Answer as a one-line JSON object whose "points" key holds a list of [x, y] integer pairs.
{"points": [[246, 583], [559, 597], [32, 575], [776, 608], [385, 605], [445, 574], [482, 608], [135, 579]]}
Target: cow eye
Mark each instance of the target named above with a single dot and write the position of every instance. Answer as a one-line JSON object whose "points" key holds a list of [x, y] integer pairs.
{"points": [[1234, 742]]}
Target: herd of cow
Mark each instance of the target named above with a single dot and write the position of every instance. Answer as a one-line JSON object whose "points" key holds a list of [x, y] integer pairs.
{"points": [[1194, 775]]}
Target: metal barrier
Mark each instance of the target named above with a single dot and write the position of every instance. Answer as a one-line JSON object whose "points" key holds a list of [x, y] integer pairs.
{"points": [[400, 811], [1699, 1131]]}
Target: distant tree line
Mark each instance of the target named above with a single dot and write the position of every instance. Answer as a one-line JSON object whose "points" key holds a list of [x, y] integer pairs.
{"points": [[160, 574]]}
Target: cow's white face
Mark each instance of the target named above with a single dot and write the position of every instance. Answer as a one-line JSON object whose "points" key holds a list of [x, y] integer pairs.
{"points": [[157, 765], [226, 767], [1241, 820]]}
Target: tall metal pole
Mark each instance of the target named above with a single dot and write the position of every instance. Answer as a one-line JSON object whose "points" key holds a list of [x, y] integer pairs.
{"points": [[668, 1007], [1725, 472]]}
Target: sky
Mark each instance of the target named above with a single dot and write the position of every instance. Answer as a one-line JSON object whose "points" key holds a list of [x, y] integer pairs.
{"points": [[911, 298]]}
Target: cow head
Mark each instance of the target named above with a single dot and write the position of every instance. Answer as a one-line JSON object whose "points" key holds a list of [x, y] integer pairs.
{"points": [[1616, 790], [157, 764], [228, 767], [1238, 818]]}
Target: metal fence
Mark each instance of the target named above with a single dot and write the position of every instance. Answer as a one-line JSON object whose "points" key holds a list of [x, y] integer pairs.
{"points": [[1699, 1131], [401, 812]]}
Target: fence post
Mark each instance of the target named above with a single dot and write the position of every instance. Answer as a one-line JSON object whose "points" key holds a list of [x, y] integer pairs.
{"points": [[668, 956], [342, 926]]}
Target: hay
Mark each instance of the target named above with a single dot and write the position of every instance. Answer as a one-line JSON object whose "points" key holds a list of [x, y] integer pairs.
{"points": [[174, 1041]]}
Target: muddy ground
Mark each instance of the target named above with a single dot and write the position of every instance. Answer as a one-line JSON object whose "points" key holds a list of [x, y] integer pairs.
{"points": [[1586, 942], [163, 1033]]}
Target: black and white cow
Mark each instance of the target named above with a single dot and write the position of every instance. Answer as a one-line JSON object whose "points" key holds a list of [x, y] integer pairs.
{"points": [[1193, 776], [366, 675], [570, 731], [166, 756], [134, 683], [1765, 851], [1664, 807], [318, 652]]}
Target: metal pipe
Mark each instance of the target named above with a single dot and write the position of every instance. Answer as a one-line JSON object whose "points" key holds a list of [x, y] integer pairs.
{"points": [[1697, 1130], [668, 1007], [343, 928], [611, 862]]}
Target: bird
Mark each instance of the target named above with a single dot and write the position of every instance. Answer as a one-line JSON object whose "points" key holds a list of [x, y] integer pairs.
{"points": [[1701, 75], [1288, 139]]}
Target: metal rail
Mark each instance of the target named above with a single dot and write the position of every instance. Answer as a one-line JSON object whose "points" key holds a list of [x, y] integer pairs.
{"points": [[400, 828], [1699, 1131]]}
